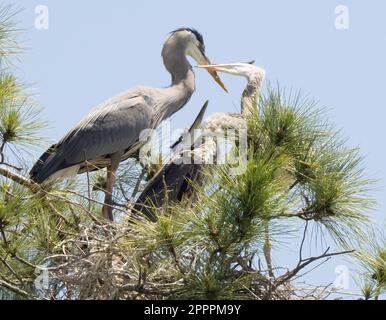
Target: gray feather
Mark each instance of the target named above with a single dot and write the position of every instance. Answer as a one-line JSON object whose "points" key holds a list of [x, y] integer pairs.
{"points": [[173, 181], [111, 127]]}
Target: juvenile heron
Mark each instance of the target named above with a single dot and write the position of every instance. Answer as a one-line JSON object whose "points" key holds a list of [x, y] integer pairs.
{"points": [[111, 132], [174, 179], [255, 77]]}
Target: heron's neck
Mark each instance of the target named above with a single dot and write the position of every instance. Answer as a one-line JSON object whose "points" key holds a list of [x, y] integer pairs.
{"points": [[175, 61], [179, 92], [174, 97], [250, 97]]}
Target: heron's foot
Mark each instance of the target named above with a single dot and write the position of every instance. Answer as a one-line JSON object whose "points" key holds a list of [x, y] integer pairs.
{"points": [[107, 212]]}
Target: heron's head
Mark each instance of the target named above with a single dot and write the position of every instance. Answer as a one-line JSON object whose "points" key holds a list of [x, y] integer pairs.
{"points": [[247, 70], [192, 42]]}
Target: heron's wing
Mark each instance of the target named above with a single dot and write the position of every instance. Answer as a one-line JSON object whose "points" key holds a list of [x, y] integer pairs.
{"points": [[196, 124], [172, 181], [111, 127]]}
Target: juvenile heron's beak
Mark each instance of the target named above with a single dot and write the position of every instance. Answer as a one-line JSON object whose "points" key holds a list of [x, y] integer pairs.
{"points": [[243, 69], [225, 68]]}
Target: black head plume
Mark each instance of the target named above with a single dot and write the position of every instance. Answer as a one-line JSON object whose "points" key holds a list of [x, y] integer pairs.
{"points": [[198, 35]]}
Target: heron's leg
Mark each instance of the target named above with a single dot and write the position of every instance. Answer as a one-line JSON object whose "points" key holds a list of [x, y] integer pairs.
{"points": [[107, 210]]}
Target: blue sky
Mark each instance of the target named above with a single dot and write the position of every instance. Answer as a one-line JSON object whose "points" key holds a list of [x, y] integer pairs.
{"points": [[95, 49]]}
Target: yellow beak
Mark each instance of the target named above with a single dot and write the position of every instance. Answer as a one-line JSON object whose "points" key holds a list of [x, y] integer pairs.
{"points": [[216, 78], [214, 75]]}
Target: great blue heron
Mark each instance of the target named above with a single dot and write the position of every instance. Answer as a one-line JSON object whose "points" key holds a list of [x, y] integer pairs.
{"points": [[173, 181], [255, 77], [110, 133]]}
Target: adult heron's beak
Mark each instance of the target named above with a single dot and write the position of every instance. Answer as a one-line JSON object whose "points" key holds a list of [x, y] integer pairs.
{"points": [[205, 61], [216, 78]]}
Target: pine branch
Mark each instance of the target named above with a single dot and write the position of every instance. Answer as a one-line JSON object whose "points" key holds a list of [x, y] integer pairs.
{"points": [[15, 289], [18, 178], [304, 263]]}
